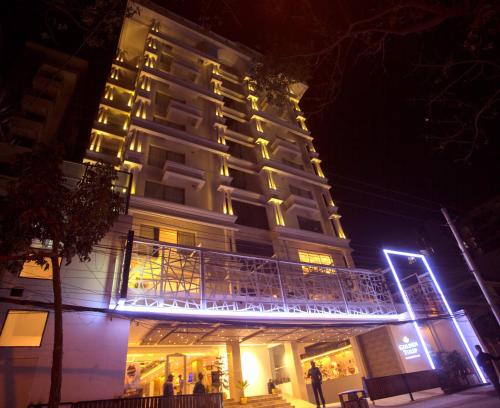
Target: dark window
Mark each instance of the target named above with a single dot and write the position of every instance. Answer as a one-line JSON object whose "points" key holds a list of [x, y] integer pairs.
{"points": [[301, 192], [240, 151], [239, 178], [163, 192], [309, 225], [22, 141], [254, 248], [250, 215], [157, 157]]}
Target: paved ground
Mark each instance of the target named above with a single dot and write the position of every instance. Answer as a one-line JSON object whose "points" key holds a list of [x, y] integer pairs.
{"points": [[478, 397]]}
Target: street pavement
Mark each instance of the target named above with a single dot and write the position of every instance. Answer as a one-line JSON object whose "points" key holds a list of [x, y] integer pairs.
{"points": [[477, 397]]}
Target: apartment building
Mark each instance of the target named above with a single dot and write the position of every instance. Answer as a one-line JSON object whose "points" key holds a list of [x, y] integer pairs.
{"points": [[231, 262]]}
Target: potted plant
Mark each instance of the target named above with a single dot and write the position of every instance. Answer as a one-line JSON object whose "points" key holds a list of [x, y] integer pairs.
{"points": [[242, 385], [454, 371], [219, 377]]}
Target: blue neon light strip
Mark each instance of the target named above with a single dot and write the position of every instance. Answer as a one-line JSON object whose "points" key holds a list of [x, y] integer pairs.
{"points": [[387, 253]]}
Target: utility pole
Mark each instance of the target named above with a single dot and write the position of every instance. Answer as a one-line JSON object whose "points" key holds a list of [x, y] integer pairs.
{"points": [[471, 265]]}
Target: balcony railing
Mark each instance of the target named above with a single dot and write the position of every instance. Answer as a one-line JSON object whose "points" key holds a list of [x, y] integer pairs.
{"points": [[168, 278]]}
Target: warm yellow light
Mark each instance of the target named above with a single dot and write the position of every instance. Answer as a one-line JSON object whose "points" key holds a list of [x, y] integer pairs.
{"points": [[270, 179], [258, 125], [253, 100]]}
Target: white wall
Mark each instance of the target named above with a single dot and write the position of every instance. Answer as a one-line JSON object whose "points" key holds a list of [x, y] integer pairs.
{"points": [[95, 350], [409, 362], [256, 368]]}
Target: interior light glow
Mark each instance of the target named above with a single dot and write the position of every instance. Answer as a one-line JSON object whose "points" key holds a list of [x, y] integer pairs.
{"points": [[387, 253]]}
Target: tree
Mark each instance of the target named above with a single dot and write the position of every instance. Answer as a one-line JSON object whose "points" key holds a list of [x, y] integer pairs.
{"points": [[66, 220], [458, 88]]}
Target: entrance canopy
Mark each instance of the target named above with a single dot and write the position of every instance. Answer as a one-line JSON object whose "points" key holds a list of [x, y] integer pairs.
{"points": [[160, 333]]}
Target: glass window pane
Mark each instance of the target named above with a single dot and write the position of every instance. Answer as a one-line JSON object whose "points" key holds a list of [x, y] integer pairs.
{"points": [[23, 328], [153, 190], [34, 271]]}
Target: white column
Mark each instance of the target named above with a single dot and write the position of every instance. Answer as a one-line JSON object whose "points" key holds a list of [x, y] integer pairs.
{"points": [[234, 368], [295, 370]]}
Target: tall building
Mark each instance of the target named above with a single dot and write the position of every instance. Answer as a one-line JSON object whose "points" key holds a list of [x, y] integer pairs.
{"points": [[231, 261], [214, 165]]}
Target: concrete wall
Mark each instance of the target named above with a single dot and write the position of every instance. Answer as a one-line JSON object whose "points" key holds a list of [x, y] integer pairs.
{"points": [[95, 350], [379, 355]]}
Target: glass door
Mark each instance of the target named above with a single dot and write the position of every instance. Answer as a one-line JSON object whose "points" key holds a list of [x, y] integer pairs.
{"points": [[176, 365]]}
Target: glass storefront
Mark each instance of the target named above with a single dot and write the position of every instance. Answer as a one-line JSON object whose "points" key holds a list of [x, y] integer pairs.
{"points": [[334, 364], [146, 375]]}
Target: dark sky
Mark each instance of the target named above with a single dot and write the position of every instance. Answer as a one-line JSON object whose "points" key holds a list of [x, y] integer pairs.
{"points": [[387, 180]]}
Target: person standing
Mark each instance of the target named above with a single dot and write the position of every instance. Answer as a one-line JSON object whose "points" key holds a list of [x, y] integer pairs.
{"points": [[316, 377], [182, 382], [485, 361], [168, 387], [199, 388]]}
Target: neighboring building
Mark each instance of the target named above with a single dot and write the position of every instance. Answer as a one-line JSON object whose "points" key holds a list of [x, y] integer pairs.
{"points": [[41, 96], [235, 262]]}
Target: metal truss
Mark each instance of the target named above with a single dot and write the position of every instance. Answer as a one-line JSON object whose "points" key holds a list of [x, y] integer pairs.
{"points": [[170, 276]]}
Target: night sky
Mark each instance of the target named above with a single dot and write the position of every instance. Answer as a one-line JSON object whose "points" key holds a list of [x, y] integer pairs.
{"points": [[387, 179]]}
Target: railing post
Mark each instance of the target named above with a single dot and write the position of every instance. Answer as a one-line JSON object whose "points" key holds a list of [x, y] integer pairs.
{"points": [[203, 295], [285, 304], [126, 264], [343, 293], [162, 272]]}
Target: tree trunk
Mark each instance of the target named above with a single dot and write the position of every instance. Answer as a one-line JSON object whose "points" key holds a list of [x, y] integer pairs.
{"points": [[57, 352]]}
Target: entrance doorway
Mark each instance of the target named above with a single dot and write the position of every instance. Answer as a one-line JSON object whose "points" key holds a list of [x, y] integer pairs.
{"points": [[176, 365]]}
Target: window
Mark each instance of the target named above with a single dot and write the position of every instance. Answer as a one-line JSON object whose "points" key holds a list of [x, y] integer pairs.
{"points": [[23, 328], [186, 238], [239, 178], [254, 248], [301, 192], [163, 192], [315, 258], [250, 215], [279, 364], [33, 271], [308, 224], [157, 156]]}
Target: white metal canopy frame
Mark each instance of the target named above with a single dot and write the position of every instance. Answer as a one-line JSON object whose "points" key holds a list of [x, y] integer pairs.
{"points": [[172, 279], [436, 288]]}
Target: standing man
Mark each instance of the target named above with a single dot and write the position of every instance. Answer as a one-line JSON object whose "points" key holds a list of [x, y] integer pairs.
{"points": [[316, 379], [168, 387], [485, 360]]}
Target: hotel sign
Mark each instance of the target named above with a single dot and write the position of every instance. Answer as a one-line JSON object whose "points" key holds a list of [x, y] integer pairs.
{"points": [[410, 349]]}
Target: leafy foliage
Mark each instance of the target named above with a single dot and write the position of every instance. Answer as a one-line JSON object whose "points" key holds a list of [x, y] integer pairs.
{"points": [[272, 77], [42, 206]]}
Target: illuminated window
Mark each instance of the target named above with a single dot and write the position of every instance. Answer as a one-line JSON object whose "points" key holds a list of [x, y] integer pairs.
{"points": [[34, 271], [23, 328], [315, 258]]}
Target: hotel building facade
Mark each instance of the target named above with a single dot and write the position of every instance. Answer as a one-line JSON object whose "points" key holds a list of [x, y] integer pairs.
{"points": [[231, 260]]}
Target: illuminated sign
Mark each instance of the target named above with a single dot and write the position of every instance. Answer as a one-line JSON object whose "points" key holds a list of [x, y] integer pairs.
{"points": [[410, 349], [412, 258]]}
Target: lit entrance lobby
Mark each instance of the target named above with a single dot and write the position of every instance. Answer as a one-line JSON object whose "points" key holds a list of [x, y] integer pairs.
{"points": [[227, 354]]}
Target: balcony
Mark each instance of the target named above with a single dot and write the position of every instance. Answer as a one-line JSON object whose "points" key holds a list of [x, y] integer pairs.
{"points": [[293, 172], [282, 146], [283, 124], [296, 202], [171, 79], [182, 281], [178, 174], [179, 111], [166, 132]]}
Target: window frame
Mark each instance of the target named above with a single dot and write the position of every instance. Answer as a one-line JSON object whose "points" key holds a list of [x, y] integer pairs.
{"points": [[26, 310]]}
